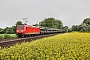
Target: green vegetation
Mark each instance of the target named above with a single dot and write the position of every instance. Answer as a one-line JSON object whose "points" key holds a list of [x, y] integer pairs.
{"points": [[18, 23], [6, 36], [83, 27], [51, 23], [68, 46], [10, 30]]}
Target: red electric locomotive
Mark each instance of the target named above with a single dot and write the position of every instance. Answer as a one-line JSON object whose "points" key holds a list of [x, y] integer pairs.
{"points": [[27, 30]]}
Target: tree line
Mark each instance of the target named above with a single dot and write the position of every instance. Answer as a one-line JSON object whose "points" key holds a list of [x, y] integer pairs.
{"points": [[10, 30], [83, 27], [52, 23]]}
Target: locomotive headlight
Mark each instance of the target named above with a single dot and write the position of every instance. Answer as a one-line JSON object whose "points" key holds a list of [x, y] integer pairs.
{"points": [[17, 30], [21, 30]]}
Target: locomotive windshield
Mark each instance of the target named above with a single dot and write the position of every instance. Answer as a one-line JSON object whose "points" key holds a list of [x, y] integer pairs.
{"points": [[20, 26]]}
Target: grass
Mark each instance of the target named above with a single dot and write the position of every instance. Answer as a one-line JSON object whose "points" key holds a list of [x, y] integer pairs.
{"points": [[12, 35], [2, 36]]}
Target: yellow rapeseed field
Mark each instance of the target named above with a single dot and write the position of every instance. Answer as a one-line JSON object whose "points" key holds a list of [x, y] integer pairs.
{"points": [[68, 46]]}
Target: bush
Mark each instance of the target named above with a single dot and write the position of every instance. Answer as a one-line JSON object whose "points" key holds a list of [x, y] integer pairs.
{"points": [[7, 36], [1, 37]]}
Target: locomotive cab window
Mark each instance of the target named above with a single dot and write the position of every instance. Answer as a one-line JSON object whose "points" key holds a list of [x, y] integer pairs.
{"points": [[20, 26]]}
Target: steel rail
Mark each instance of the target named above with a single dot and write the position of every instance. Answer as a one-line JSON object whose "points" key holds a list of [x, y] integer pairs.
{"points": [[8, 43]]}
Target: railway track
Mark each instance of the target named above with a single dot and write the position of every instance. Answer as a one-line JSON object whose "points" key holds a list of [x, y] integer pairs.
{"points": [[8, 43]]}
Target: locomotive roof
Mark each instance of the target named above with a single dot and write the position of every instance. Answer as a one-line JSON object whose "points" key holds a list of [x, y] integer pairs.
{"points": [[29, 25], [33, 26]]}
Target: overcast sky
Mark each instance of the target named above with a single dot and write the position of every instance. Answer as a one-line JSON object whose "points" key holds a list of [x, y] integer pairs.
{"points": [[71, 12]]}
